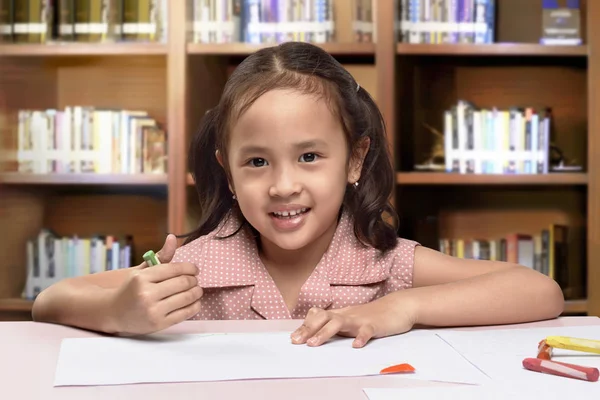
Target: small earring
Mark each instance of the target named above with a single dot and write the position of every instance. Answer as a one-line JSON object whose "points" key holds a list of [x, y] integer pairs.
{"points": [[233, 197], [356, 184]]}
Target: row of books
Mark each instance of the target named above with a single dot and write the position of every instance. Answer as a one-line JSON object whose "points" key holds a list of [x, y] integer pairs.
{"points": [[83, 139], [496, 141], [51, 258], [262, 21], [545, 251], [446, 21], [47, 21]]}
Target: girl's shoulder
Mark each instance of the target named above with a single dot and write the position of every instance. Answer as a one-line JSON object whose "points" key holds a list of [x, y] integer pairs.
{"points": [[225, 237], [345, 242], [351, 262]]}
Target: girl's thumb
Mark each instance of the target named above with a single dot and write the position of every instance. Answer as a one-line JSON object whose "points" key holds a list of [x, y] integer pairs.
{"points": [[165, 255]]}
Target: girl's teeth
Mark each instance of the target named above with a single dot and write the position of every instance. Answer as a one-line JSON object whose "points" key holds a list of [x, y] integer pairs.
{"points": [[290, 213]]}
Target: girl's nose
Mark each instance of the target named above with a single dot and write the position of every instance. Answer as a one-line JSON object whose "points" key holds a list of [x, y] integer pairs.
{"points": [[285, 185]]}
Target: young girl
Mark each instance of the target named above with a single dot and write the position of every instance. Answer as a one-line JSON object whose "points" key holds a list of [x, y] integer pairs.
{"points": [[293, 175]]}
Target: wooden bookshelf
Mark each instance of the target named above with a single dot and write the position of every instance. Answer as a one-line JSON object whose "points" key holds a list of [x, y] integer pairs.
{"points": [[82, 49], [16, 178], [15, 309], [15, 305], [338, 49], [575, 307], [437, 178], [514, 71], [178, 81], [494, 49]]}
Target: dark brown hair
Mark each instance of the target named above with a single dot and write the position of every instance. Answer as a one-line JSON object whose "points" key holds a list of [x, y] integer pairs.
{"points": [[311, 70]]}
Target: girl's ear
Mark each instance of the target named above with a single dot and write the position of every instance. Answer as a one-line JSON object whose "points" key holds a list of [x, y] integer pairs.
{"points": [[219, 157], [357, 159]]}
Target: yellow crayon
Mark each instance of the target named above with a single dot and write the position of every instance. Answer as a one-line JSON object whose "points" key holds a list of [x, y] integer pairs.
{"points": [[576, 344]]}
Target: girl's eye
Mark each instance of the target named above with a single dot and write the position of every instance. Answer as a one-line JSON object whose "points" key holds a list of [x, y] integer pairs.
{"points": [[258, 162], [308, 157]]}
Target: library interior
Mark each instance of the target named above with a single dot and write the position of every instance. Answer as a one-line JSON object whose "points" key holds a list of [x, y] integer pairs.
{"points": [[489, 105]]}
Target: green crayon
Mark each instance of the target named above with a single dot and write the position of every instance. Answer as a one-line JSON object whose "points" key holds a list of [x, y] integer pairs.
{"points": [[151, 258]]}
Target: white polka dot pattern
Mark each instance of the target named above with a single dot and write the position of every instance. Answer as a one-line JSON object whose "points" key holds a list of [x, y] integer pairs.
{"points": [[237, 285]]}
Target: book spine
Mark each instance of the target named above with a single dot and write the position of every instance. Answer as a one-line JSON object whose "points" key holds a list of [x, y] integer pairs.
{"points": [[66, 20], [415, 19], [82, 20], [21, 22], [6, 20], [130, 20], [490, 21]]}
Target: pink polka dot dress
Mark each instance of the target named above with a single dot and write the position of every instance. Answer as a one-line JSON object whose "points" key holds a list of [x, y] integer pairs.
{"points": [[237, 285]]}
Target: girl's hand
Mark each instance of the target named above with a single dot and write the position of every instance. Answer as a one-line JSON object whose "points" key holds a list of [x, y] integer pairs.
{"points": [[154, 298], [383, 317]]}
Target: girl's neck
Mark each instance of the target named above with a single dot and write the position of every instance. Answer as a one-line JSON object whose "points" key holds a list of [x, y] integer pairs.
{"points": [[301, 261]]}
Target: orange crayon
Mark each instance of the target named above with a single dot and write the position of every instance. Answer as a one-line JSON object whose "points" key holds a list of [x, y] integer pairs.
{"points": [[544, 351], [400, 368]]}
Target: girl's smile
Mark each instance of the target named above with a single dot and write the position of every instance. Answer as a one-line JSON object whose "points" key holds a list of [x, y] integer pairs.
{"points": [[289, 218]]}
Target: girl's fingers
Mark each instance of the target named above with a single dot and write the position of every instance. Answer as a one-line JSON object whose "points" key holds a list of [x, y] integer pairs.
{"points": [[182, 314], [180, 300], [315, 320], [166, 253], [173, 286], [331, 328], [365, 333], [163, 272], [320, 326]]}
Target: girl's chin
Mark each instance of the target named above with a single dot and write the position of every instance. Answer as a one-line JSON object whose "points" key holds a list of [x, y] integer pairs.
{"points": [[289, 245]]}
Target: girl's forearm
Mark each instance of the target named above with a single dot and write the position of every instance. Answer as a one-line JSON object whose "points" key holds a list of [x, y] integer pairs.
{"points": [[511, 295], [76, 303]]}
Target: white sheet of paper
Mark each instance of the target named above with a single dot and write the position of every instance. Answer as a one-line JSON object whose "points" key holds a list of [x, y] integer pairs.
{"points": [[499, 353], [483, 392], [234, 356]]}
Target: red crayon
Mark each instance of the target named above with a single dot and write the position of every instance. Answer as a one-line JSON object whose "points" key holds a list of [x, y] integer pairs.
{"points": [[561, 369]]}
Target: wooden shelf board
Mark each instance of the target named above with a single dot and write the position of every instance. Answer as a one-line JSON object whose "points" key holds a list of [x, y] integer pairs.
{"points": [[575, 306], [246, 48], [440, 178], [15, 305], [83, 49], [493, 49], [83, 179]]}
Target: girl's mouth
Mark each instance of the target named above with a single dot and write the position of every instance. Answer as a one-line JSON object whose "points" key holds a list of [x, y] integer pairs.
{"points": [[290, 220], [290, 214]]}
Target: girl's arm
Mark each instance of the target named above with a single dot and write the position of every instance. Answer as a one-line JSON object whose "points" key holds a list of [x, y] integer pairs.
{"points": [[83, 301], [131, 301], [449, 291], [135, 300]]}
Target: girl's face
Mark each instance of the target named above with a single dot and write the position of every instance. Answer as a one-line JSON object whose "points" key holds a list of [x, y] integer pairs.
{"points": [[289, 167]]}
